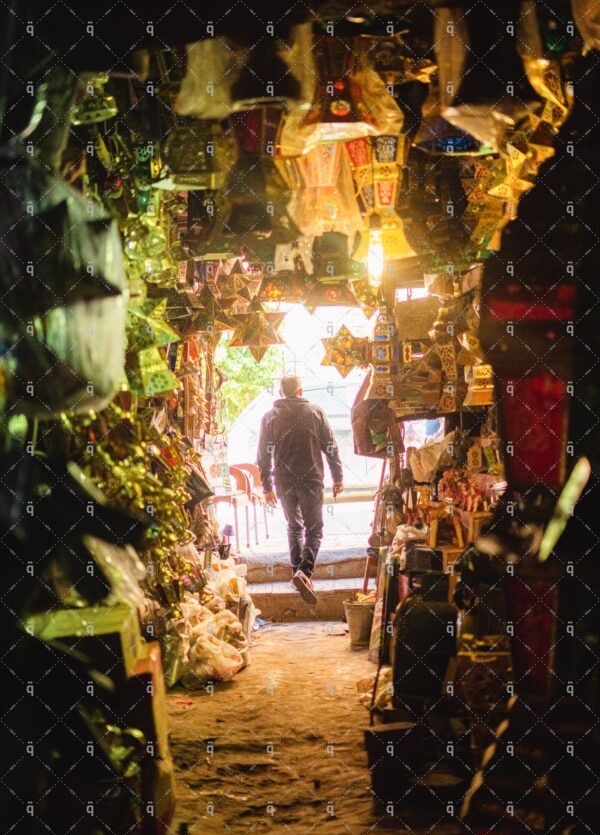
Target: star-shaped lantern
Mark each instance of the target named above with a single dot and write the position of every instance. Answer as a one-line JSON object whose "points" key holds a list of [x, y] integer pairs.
{"points": [[344, 351], [257, 330], [233, 283], [237, 289], [329, 294], [214, 317], [368, 297], [146, 325], [283, 286]]}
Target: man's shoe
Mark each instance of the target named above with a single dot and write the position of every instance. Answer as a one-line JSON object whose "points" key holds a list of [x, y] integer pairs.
{"points": [[302, 583]]}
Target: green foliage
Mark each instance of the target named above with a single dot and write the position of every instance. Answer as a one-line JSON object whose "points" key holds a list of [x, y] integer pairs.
{"points": [[246, 377]]}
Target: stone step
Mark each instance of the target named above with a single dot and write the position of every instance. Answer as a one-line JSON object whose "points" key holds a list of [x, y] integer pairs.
{"points": [[281, 603], [276, 571]]}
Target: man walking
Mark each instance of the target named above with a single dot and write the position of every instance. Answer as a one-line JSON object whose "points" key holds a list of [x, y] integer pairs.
{"points": [[294, 436]]}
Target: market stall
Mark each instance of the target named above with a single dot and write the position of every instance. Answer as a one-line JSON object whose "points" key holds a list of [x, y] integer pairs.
{"points": [[153, 208]]}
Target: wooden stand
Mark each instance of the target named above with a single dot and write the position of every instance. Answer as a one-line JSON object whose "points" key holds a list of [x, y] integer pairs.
{"points": [[473, 522], [434, 514]]}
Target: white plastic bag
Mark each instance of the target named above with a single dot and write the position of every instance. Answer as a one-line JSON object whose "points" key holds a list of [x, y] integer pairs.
{"points": [[211, 659], [228, 585]]}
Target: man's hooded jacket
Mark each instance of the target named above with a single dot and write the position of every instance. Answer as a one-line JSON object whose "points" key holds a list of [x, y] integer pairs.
{"points": [[294, 436]]}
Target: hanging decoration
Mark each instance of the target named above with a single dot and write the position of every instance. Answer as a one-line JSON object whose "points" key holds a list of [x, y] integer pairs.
{"points": [[366, 295], [329, 294], [188, 157], [96, 106], [252, 209], [148, 373], [146, 325], [323, 202], [286, 286], [480, 382], [344, 351], [257, 330], [350, 99], [376, 163]]}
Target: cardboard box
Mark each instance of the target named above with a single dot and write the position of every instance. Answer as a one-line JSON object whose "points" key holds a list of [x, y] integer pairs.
{"points": [[108, 635]]}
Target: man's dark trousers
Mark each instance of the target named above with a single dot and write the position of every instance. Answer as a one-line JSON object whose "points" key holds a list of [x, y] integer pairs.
{"points": [[302, 504]]}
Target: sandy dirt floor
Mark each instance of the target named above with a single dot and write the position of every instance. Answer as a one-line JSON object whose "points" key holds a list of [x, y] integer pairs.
{"points": [[280, 748]]}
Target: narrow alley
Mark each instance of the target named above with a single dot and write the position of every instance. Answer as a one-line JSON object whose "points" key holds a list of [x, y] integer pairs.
{"points": [[280, 748]]}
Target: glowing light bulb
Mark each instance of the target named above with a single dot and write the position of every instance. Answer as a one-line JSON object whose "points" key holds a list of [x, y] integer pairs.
{"points": [[375, 259]]}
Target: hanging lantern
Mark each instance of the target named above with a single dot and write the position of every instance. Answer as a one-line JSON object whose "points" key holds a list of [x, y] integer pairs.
{"points": [[321, 203], [335, 99], [189, 158], [338, 111], [344, 351], [384, 359], [367, 296], [97, 106], [330, 257], [144, 239], [148, 373], [146, 325], [376, 163], [331, 294], [257, 330], [283, 287], [253, 207]]}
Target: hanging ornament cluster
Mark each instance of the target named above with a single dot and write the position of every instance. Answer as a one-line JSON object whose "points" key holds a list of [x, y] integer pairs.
{"points": [[376, 157]]}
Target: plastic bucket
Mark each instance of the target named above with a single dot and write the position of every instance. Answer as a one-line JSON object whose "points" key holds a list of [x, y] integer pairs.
{"points": [[359, 617]]}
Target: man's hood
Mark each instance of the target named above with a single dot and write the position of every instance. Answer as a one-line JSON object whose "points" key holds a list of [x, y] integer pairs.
{"points": [[288, 407]]}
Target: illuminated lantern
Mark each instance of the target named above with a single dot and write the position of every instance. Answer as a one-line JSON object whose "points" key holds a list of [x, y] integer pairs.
{"points": [[376, 162]]}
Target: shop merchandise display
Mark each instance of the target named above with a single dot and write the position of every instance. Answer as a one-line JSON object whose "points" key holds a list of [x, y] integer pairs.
{"points": [[186, 198]]}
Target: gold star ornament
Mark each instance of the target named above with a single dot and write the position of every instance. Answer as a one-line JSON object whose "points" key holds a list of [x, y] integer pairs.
{"points": [[257, 330], [344, 351]]}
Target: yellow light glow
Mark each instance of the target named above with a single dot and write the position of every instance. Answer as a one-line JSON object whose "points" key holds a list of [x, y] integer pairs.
{"points": [[375, 259]]}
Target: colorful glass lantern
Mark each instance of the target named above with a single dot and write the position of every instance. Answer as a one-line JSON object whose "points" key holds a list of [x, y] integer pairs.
{"points": [[319, 204], [283, 287], [368, 296], [338, 111], [332, 294], [376, 163]]}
